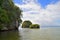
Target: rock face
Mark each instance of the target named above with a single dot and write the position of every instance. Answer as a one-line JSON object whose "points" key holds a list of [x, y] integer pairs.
{"points": [[34, 26], [10, 15]]}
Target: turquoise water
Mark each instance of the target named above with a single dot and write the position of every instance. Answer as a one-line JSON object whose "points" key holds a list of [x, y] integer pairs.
{"points": [[32, 34]]}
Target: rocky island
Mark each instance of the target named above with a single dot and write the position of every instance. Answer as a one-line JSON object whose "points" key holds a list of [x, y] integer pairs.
{"points": [[29, 24]]}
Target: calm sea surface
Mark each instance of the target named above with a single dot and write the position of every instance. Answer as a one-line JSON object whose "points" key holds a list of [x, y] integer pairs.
{"points": [[32, 34]]}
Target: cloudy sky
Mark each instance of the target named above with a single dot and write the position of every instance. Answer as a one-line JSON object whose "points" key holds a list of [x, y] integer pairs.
{"points": [[43, 12]]}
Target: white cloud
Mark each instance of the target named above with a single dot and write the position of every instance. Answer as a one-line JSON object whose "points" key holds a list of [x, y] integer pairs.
{"points": [[33, 11]]}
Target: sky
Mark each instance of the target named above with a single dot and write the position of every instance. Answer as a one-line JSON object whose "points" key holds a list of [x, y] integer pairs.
{"points": [[43, 12]]}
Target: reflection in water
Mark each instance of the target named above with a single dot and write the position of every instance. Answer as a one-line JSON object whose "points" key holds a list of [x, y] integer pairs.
{"points": [[9, 35], [32, 34]]}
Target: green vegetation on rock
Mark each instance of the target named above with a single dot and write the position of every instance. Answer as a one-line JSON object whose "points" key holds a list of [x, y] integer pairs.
{"points": [[10, 15], [35, 26], [26, 24]]}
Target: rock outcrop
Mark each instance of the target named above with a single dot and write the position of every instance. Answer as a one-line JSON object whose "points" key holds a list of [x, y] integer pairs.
{"points": [[26, 24], [29, 24], [10, 15]]}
